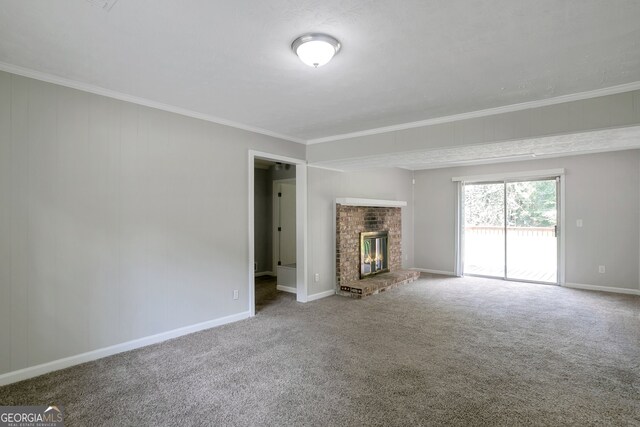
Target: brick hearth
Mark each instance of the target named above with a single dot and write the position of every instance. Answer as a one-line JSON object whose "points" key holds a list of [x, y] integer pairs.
{"points": [[350, 222], [378, 283]]}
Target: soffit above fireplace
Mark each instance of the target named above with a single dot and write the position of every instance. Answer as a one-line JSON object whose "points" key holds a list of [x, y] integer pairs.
{"points": [[352, 201]]}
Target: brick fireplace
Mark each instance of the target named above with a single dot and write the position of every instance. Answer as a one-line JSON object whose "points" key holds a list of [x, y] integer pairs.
{"points": [[354, 221]]}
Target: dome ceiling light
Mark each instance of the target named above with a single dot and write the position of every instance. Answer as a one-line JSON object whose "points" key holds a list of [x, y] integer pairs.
{"points": [[315, 49]]}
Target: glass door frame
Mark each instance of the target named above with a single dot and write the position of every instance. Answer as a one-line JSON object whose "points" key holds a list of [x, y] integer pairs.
{"points": [[557, 232], [504, 226], [554, 174]]}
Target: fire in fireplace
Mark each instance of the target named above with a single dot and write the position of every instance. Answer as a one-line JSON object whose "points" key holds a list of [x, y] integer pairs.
{"points": [[374, 253]]}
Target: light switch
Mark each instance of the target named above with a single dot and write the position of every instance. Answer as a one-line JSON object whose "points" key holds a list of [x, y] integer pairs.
{"points": [[578, 223]]}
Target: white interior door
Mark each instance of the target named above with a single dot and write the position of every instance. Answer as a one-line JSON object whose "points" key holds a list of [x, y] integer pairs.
{"points": [[284, 220]]}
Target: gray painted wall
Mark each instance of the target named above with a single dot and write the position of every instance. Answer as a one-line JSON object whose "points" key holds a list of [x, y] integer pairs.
{"points": [[601, 189], [324, 186], [119, 221], [263, 217], [116, 221], [570, 117]]}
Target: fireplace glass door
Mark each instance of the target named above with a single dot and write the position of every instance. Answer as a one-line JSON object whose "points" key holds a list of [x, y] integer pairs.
{"points": [[374, 253]]}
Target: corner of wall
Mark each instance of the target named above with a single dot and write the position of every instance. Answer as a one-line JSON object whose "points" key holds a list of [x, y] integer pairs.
{"points": [[413, 219]]}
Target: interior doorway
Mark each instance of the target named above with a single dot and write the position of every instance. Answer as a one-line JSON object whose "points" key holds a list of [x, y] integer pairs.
{"points": [[277, 229], [510, 229]]}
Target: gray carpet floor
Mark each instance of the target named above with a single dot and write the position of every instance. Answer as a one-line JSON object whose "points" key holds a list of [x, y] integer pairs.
{"points": [[439, 351]]}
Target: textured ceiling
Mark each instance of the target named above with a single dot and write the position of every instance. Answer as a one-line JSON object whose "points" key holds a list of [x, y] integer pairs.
{"points": [[626, 138], [401, 61]]}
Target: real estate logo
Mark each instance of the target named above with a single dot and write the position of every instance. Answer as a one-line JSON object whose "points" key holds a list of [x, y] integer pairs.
{"points": [[31, 416]]}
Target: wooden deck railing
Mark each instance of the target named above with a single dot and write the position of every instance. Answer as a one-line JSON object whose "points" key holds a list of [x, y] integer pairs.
{"points": [[518, 231]]}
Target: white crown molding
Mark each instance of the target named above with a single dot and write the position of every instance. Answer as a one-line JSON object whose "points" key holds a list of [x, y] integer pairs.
{"points": [[396, 159], [97, 90], [325, 168], [34, 371], [612, 90], [86, 87]]}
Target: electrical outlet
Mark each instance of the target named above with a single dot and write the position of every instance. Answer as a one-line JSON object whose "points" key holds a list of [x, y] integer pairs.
{"points": [[578, 223], [317, 277], [235, 294], [601, 269]]}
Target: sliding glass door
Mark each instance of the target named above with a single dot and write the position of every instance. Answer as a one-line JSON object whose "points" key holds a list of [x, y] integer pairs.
{"points": [[532, 219], [510, 230], [484, 248]]}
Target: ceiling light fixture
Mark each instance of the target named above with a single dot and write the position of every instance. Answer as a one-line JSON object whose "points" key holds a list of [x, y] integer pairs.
{"points": [[315, 49]]}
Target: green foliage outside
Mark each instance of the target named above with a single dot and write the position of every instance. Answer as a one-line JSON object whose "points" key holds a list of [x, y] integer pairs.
{"points": [[529, 204]]}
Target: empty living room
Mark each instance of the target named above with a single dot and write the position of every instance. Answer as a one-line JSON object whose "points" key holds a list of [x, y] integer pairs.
{"points": [[319, 213]]}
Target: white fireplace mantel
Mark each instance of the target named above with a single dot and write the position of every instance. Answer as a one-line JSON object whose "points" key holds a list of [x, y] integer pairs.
{"points": [[352, 201]]}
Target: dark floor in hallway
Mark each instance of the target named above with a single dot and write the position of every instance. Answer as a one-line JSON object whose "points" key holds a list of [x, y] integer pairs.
{"points": [[267, 292]]}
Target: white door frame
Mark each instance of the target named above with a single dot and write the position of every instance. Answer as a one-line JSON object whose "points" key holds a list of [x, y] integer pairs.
{"points": [[301, 225]]}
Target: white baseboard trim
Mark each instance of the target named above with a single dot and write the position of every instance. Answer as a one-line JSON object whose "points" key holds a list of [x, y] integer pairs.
{"points": [[264, 273], [602, 288], [427, 270], [320, 295], [34, 371], [286, 289]]}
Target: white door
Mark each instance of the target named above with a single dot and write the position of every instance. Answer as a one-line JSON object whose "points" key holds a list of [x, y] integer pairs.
{"points": [[284, 221]]}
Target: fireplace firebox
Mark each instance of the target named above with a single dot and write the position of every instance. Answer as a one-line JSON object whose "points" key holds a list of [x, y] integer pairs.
{"points": [[374, 253]]}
